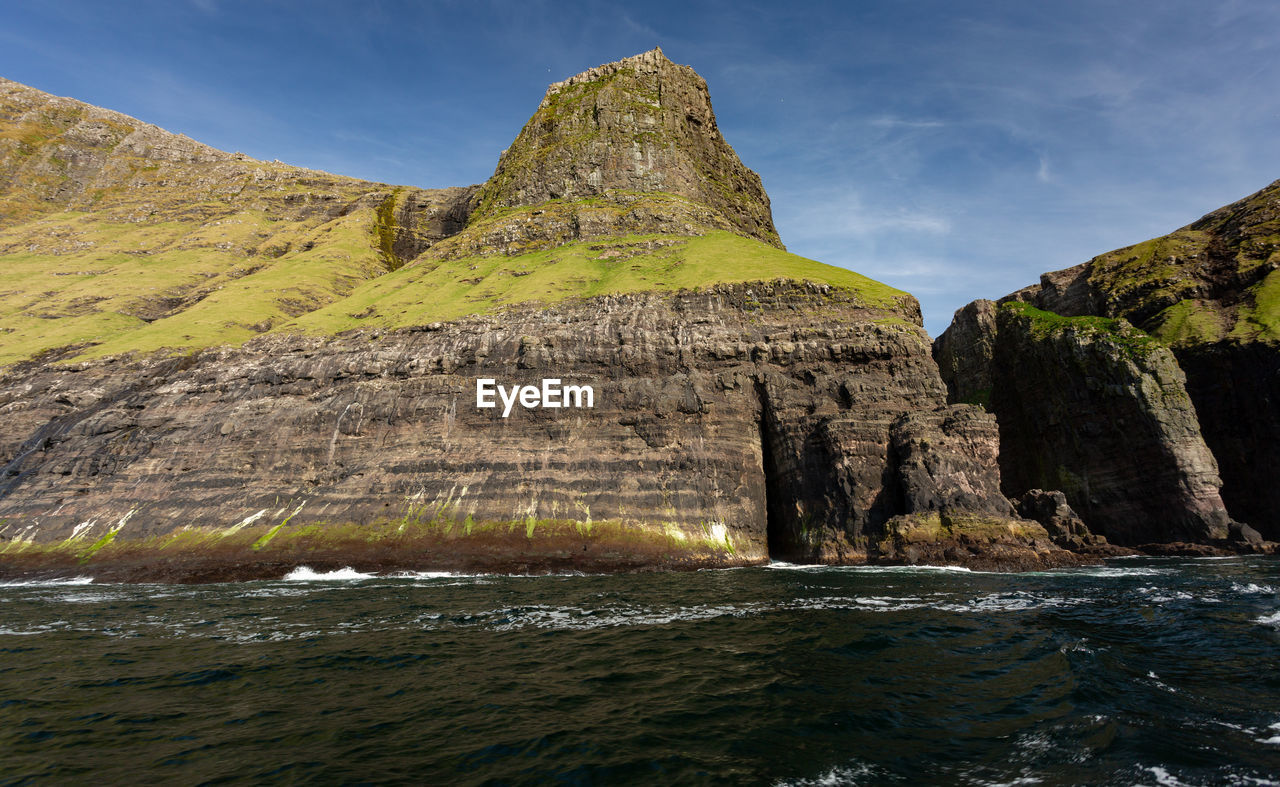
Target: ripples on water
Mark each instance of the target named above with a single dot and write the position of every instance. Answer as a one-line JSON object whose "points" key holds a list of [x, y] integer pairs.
{"points": [[1143, 671]]}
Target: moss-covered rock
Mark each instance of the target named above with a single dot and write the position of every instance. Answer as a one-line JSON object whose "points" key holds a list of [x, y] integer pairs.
{"points": [[976, 541], [642, 124]]}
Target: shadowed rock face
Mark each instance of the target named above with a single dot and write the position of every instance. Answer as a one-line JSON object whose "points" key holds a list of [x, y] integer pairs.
{"points": [[1099, 410], [1236, 390], [1211, 292], [965, 353]]}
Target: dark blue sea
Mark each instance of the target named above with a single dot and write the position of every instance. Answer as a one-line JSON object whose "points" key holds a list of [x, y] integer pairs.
{"points": [[1145, 671]]}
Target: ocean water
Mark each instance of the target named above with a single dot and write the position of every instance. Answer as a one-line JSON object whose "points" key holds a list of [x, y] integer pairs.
{"points": [[1145, 671]]}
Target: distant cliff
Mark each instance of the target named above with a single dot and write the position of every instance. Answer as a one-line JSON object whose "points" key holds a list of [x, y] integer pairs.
{"points": [[1158, 363]]}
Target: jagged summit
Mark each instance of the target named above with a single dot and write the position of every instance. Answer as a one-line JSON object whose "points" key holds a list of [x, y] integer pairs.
{"points": [[640, 126], [650, 60]]}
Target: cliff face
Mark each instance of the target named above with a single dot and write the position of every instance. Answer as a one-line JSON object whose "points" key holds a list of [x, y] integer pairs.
{"points": [[1101, 412], [1207, 293], [745, 402], [1092, 407], [726, 426]]}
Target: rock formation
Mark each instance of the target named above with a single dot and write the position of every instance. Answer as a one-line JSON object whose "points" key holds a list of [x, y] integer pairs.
{"points": [[642, 124], [1132, 381], [1063, 525], [746, 402]]}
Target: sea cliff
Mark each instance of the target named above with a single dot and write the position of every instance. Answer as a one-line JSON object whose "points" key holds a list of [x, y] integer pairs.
{"points": [[218, 368]]}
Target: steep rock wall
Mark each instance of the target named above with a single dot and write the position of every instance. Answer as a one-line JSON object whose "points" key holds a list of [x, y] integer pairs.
{"points": [[1100, 411], [1211, 292], [730, 415], [1236, 390]]}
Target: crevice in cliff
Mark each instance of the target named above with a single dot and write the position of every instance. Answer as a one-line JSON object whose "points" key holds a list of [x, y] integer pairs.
{"points": [[782, 541]]}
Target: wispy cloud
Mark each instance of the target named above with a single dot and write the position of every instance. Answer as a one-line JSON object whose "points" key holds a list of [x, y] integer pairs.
{"points": [[1042, 173], [827, 215], [886, 121]]}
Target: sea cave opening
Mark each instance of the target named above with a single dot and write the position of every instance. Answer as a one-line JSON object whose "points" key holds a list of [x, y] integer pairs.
{"points": [[782, 540]]}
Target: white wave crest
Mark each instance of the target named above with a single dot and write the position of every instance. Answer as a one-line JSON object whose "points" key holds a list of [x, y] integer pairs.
{"points": [[854, 773], [1164, 778], [47, 582], [782, 564], [1272, 620], [307, 574], [1118, 571], [1252, 589]]}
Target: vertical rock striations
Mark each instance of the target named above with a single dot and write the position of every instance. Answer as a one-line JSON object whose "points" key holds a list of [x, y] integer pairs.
{"points": [[1100, 411]]}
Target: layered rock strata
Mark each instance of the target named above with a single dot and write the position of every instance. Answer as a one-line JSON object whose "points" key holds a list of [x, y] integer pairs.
{"points": [[727, 425]]}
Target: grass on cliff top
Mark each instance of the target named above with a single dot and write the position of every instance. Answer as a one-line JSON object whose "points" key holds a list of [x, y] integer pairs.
{"points": [[1045, 324], [1190, 322], [1256, 317], [431, 291], [120, 288], [1152, 269]]}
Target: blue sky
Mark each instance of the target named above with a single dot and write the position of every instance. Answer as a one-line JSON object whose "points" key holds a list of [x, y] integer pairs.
{"points": [[955, 150]]}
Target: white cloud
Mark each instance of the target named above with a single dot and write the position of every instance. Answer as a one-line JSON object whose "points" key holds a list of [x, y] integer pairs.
{"points": [[1043, 174], [831, 216], [886, 121]]}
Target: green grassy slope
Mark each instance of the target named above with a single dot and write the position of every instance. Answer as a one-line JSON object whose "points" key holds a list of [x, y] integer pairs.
{"points": [[117, 288], [1218, 278], [119, 237], [431, 290]]}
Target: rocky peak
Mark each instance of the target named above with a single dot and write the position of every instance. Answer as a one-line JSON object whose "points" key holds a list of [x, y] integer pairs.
{"points": [[640, 125]]}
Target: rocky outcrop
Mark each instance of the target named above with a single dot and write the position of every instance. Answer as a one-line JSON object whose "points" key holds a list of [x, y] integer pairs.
{"points": [[974, 542], [952, 509], [942, 462], [1211, 292], [1060, 521], [1099, 410], [641, 124], [965, 353]]}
